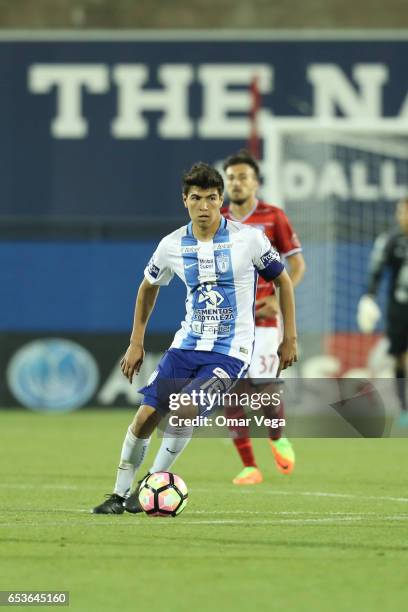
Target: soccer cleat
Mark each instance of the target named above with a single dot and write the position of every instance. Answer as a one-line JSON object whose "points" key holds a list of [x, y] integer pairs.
{"points": [[112, 505], [284, 455], [132, 503], [248, 476]]}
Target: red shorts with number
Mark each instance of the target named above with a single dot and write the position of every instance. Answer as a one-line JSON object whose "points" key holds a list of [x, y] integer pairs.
{"points": [[265, 360]]}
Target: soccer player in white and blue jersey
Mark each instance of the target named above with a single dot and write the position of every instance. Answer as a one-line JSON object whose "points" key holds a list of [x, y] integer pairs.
{"points": [[218, 260]]}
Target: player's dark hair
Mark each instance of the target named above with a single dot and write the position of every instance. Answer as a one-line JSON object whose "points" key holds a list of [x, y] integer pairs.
{"points": [[243, 156], [204, 176]]}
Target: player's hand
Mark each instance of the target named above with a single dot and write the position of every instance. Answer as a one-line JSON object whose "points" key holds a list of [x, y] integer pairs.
{"points": [[267, 307], [130, 364], [368, 314], [287, 352]]}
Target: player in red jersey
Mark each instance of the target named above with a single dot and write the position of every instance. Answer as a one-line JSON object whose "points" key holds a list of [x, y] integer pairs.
{"points": [[242, 183]]}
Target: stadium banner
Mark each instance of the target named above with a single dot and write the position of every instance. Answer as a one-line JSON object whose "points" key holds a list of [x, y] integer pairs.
{"points": [[52, 373], [97, 129], [98, 126]]}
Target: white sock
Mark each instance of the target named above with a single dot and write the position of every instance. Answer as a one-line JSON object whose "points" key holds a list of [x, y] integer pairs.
{"points": [[133, 452], [171, 447]]}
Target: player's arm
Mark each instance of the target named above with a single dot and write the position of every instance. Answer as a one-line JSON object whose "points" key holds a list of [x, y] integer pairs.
{"points": [[296, 268], [368, 312], [269, 266], [145, 301], [158, 272], [288, 348], [268, 306], [287, 243]]}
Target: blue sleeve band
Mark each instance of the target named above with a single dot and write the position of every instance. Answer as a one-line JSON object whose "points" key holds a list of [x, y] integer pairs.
{"points": [[272, 270]]}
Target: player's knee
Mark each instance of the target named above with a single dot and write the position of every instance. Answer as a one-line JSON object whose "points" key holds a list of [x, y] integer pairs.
{"points": [[144, 422], [190, 411]]}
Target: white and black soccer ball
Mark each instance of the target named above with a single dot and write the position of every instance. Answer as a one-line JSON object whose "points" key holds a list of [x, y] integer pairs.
{"points": [[163, 494]]}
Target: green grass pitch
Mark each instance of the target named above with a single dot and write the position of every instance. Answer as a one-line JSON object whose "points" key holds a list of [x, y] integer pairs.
{"points": [[332, 536]]}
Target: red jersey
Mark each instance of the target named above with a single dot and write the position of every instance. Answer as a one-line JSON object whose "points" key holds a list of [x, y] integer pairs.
{"points": [[275, 224]]}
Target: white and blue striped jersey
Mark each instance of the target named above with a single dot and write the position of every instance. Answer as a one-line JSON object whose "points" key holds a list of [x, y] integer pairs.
{"points": [[221, 278]]}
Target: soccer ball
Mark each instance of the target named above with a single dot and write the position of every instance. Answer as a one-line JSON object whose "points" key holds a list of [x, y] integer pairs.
{"points": [[163, 494]]}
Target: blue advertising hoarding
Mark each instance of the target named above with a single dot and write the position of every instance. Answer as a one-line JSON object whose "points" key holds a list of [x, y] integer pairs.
{"points": [[100, 127], [97, 129]]}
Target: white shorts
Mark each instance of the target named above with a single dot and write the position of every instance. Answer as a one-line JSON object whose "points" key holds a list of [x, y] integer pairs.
{"points": [[265, 360]]}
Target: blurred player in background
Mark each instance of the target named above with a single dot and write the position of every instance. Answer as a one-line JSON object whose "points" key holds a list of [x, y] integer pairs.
{"points": [[215, 342], [242, 183], [391, 252]]}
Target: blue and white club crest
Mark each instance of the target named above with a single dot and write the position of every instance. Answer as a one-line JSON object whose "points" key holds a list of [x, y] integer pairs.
{"points": [[222, 262]]}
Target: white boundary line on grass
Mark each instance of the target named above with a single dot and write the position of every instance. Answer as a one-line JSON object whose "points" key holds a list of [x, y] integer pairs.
{"points": [[308, 521], [286, 514], [58, 487], [240, 490], [316, 494]]}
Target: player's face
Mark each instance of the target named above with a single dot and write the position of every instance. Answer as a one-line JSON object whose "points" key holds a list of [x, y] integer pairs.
{"points": [[402, 215], [241, 183], [203, 206]]}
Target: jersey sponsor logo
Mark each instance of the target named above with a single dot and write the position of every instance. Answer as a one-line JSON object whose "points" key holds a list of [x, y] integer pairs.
{"points": [[269, 257], [206, 263], [210, 296], [220, 246], [153, 269], [210, 330], [189, 249], [206, 269], [220, 373], [223, 263], [188, 266], [216, 384], [212, 312]]}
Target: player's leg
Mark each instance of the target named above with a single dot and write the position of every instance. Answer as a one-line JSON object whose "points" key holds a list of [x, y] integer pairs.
{"points": [[133, 452], [399, 371], [162, 382], [135, 447], [401, 387], [184, 365], [265, 365], [208, 366], [174, 370], [397, 335], [280, 445], [175, 439], [214, 369], [250, 474]]}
